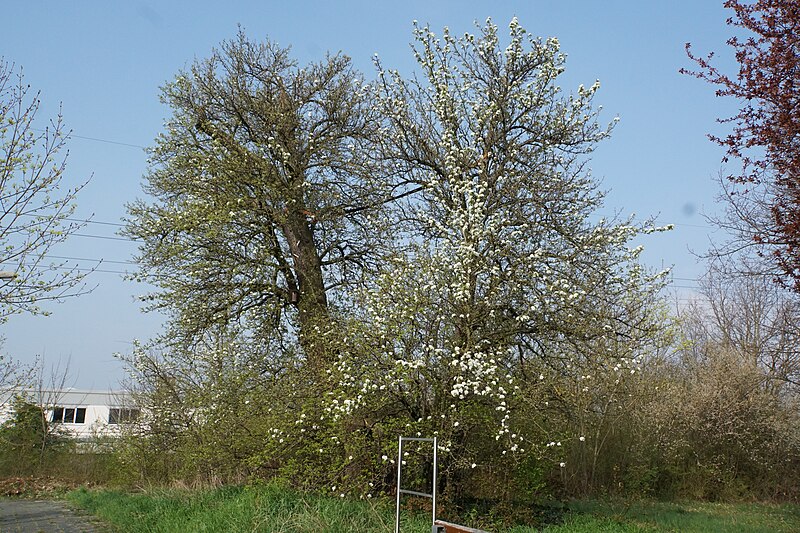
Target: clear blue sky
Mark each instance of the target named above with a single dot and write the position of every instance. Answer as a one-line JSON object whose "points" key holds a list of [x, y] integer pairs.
{"points": [[104, 62]]}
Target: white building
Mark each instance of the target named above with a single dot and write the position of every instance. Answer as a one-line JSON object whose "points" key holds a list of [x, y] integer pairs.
{"points": [[83, 414]]}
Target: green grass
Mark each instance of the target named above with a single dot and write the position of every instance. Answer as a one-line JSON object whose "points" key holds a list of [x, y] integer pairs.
{"points": [[265, 508], [693, 517], [276, 509]]}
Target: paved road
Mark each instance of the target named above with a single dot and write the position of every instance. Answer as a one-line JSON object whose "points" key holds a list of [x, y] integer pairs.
{"points": [[40, 516]]}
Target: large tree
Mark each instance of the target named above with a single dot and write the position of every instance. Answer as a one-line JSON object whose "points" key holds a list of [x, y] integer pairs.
{"points": [[764, 195], [265, 198], [510, 285], [35, 206]]}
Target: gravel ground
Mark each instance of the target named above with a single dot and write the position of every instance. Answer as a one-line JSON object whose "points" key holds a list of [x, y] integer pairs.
{"points": [[41, 516]]}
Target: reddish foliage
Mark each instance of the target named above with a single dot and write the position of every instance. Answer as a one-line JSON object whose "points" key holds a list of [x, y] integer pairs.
{"points": [[33, 486], [766, 131]]}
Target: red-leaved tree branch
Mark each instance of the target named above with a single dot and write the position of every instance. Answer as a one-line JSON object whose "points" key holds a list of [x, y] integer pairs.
{"points": [[765, 134]]}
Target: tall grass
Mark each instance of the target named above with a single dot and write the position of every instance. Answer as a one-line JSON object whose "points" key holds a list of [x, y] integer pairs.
{"points": [[235, 509], [275, 508]]}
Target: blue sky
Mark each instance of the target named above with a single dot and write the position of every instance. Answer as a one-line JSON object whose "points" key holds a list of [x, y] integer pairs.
{"points": [[103, 62]]}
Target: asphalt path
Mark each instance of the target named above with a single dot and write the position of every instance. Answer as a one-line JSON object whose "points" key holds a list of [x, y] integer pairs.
{"points": [[42, 516]]}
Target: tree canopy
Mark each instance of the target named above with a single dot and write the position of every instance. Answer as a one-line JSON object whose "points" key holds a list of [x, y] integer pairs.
{"points": [[266, 194]]}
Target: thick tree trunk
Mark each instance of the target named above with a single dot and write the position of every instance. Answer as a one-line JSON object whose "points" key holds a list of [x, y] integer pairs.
{"points": [[311, 300]]}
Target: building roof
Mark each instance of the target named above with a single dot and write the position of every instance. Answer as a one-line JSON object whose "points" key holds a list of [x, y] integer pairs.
{"points": [[70, 397]]}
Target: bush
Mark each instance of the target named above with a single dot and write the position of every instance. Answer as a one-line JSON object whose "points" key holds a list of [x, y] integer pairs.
{"points": [[29, 444]]}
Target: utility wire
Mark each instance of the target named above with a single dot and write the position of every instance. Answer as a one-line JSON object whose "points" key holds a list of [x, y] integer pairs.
{"points": [[105, 237], [92, 260], [90, 221], [692, 225], [73, 136], [77, 268], [70, 135], [81, 220]]}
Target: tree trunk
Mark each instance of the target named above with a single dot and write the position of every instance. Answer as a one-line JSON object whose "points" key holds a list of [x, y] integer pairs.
{"points": [[311, 300]]}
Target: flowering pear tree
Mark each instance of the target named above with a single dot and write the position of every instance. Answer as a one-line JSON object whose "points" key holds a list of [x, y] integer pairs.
{"points": [[508, 283]]}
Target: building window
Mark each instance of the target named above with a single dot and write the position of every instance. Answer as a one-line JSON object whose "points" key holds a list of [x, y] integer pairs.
{"points": [[69, 415], [121, 415]]}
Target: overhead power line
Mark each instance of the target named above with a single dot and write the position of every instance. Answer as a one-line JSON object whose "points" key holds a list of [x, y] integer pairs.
{"points": [[90, 221], [70, 135], [692, 225], [76, 268], [105, 237], [107, 141], [92, 260], [82, 220]]}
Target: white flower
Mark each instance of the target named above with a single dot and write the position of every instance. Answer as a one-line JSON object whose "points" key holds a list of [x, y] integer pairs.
{"points": [[562, 465], [474, 465], [582, 438]]}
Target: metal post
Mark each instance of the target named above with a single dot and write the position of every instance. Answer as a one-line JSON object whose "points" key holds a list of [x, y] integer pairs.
{"points": [[399, 463], [435, 450]]}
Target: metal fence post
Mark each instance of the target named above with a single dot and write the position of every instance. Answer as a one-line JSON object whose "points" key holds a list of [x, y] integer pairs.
{"points": [[433, 512], [401, 490], [399, 470]]}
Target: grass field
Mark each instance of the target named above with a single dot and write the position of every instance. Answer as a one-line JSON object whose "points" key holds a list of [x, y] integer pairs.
{"points": [[680, 517], [274, 508]]}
